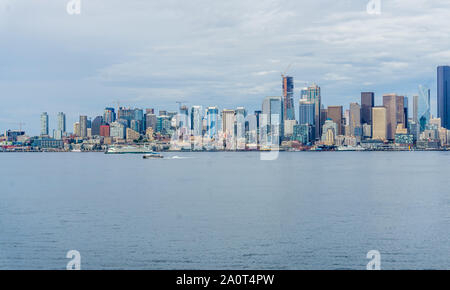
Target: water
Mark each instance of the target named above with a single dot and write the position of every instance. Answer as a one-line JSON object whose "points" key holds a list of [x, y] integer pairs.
{"points": [[225, 210]]}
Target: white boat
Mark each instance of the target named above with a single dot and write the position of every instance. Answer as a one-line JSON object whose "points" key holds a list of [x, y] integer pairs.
{"points": [[153, 155], [128, 150], [350, 148]]}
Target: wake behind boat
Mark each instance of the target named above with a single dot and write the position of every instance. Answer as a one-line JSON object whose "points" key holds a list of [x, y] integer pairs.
{"points": [[128, 150], [153, 155]]}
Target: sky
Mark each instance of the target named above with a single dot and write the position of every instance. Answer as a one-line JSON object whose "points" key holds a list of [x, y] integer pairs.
{"points": [[151, 54]]}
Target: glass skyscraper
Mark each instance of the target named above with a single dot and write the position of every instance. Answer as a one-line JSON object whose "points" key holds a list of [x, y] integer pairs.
{"points": [[44, 124], [288, 98], [443, 95]]}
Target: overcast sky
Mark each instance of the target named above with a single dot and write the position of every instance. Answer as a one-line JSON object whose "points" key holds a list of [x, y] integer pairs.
{"points": [[227, 53]]}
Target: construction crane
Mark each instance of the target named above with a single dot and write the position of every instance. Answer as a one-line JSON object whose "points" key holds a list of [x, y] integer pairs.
{"points": [[283, 74], [20, 125]]}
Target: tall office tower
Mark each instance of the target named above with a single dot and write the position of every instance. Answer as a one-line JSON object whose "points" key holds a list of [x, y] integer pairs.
{"points": [[355, 120], [258, 124], [196, 121], [150, 121], [183, 118], [288, 98], [96, 124], [304, 93], [76, 129], [401, 118], [335, 113], [314, 96], [405, 111], [44, 124], [241, 115], [228, 128], [272, 120], [212, 116], [390, 103], [367, 103], [252, 131], [379, 123], [306, 111], [83, 126], [117, 130], [61, 122], [415, 112], [443, 95], [109, 115], [424, 107]]}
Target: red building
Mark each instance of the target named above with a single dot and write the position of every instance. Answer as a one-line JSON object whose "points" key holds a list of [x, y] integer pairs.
{"points": [[104, 130]]}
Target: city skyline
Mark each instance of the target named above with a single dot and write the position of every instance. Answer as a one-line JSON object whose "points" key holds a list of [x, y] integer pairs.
{"points": [[200, 57]]}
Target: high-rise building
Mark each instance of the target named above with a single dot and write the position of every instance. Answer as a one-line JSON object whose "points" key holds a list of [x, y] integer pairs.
{"points": [[76, 129], [415, 112], [150, 121], [288, 98], [117, 130], [443, 95], [212, 116], [367, 103], [240, 117], [196, 121], [96, 124], [335, 113], [61, 122], [44, 124], [228, 128], [379, 123], [272, 120], [423, 107], [83, 126], [391, 105], [109, 115], [355, 120], [314, 96]]}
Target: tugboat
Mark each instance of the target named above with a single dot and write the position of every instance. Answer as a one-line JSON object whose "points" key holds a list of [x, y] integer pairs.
{"points": [[153, 155]]}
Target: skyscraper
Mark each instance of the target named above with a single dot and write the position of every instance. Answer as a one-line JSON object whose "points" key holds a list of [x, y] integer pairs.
{"points": [[241, 115], [196, 121], [443, 95], [367, 103], [423, 107], [379, 123], [109, 115], [272, 120], [335, 113], [212, 115], [306, 111], [83, 126], [44, 124], [415, 112], [355, 120], [288, 98], [389, 102], [96, 124], [61, 122], [314, 96]]}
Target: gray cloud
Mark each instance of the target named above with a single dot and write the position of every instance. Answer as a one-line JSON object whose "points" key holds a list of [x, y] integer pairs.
{"points": [[226, 53]]}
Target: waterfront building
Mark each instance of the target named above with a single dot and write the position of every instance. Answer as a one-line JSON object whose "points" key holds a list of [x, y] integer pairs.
{"points": [[379, 123], [303, 133], [47, 143], [44, 124], [443, 95], [367, 103], [329, 132]]}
